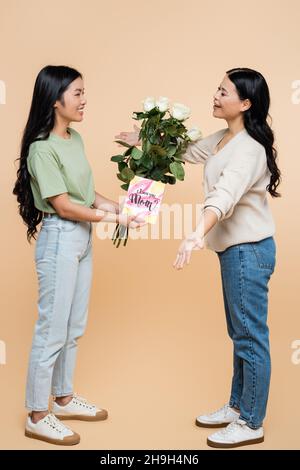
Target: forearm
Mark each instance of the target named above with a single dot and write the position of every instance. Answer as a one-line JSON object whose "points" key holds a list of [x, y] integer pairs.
{"points": [[80, 213], [105, 204], [208, 220]]}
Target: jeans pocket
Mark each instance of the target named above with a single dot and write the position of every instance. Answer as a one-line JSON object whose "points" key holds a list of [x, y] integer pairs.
{"points": [[46, 244], [40, 245], [265, 253]]}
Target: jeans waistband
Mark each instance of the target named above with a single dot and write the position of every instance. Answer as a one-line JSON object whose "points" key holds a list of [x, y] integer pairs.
{"points": [[48, 214]]}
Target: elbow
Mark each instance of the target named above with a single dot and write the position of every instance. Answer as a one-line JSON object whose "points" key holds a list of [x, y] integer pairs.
{"points": [[216, 210], [63, 212]]}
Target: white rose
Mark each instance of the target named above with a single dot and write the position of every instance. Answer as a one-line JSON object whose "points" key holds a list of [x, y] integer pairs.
{"points": [[149, 103], [180, 111], [194, 133], [162, 103]]}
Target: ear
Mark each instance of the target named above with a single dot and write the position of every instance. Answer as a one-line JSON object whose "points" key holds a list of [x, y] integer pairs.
{"points": [[246, 104]]}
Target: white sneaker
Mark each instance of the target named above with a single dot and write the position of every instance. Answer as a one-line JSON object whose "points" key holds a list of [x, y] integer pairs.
{"points": [[236, 434], [50, 429], [218, 419], [79, 408]]}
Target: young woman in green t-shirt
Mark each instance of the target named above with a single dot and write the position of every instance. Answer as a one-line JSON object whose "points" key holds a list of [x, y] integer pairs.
{"points": [[55, 186]]}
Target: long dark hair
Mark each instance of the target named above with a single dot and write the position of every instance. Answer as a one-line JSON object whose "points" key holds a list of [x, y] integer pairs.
{"points": [[50, 85], [252, 85]]}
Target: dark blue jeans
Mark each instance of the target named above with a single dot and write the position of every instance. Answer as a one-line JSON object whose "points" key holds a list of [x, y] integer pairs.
{"points": [[246, 269]]}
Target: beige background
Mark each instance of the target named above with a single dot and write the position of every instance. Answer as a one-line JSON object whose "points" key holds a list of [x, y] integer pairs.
{"points": [[156, 351]]}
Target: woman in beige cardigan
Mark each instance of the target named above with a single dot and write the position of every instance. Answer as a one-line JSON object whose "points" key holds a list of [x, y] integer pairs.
{"points": [[239, 169]]}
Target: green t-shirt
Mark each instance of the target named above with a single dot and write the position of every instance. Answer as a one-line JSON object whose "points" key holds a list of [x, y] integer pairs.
{"points": [[57, 166]]}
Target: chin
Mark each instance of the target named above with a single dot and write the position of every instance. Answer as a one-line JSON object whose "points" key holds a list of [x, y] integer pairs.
{"points": [[217, 115]]}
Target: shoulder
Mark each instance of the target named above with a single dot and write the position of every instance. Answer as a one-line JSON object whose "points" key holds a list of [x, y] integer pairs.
{"points": [[250, 144], [38, 147], [41, 153], [249, 152]]}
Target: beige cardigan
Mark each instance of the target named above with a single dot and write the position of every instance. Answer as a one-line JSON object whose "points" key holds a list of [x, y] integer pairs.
{"points": [[235, 181]]}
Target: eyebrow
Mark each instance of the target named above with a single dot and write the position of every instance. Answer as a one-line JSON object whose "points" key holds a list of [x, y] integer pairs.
{"points": [[222, 88], [80, 89]]}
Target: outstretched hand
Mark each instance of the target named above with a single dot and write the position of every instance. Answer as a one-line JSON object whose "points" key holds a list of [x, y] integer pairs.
{"points": [[131, 138], [185, 251]]}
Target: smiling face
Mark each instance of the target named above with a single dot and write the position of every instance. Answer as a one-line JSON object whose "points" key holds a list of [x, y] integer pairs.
{"points": [[227, 104], [71, 107]]}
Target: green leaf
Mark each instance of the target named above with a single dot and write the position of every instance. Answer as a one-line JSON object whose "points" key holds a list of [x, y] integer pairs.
{"points": [[121, 166], [123, 143], [163, 162], [117, 158], [147, 162], [170, 179], [133, 164], [154, 111], [159, 150], [128, 151], [148, 146], [125, 186], [177, 170], [171, 130], [136, 153], [139, 116], [178, 159], [156, 174], [127, 174], [141, 172], [119, 175], [154, 139], [172, 150]]}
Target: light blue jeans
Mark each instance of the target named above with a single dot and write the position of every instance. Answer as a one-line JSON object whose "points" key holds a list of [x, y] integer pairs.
{"points": [[63, 257], [246, 269]]}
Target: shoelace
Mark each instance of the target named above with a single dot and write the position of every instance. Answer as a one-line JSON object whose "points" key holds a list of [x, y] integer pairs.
{"points": [[235, 425], [54, 423], [83, 402], [224, 408]]}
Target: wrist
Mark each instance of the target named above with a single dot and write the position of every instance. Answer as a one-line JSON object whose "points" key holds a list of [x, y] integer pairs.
{"points": [[194, 236], [122, 219]]}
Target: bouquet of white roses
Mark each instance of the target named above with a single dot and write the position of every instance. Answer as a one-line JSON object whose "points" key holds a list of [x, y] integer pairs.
{"points": [[145, 171]]}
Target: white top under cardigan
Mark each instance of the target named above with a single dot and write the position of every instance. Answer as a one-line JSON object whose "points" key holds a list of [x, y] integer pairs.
{"points": [[235, 180]]}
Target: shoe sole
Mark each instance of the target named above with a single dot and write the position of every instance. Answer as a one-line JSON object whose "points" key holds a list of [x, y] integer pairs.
{"points": [[219, 445], [67, 441], [207, 425], [100, 416]]}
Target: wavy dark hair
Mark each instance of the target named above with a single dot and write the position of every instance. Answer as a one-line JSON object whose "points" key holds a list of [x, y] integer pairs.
{"points": [[252, 85], [50, 85]]}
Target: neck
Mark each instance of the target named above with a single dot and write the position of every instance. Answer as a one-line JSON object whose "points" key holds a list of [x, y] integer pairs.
{"points": [[60, 128], [235, 125]]}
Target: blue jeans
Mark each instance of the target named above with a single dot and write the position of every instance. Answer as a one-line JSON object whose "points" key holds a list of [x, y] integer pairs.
{"points": [[63, 257], [246, 269]]}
